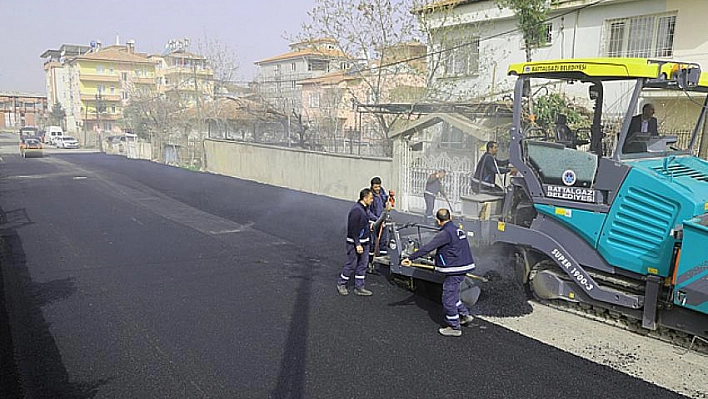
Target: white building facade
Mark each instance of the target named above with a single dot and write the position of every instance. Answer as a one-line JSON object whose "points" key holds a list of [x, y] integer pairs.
{"points": [[490, 40]]}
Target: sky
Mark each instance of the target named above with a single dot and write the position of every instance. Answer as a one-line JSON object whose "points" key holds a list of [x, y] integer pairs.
{"points": [[252, 29]]}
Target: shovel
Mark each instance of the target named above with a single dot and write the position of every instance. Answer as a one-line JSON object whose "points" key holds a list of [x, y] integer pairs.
{"points": [[469, 291]]}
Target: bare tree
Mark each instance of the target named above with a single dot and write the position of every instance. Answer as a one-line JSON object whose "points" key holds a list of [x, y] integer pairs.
{"points": [[155, 117], [223, 61], [369, 32]]}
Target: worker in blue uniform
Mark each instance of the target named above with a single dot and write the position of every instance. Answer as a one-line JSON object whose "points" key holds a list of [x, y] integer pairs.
{"points": [[358, 238], [453, 258], [377, 209], [433, 187], [488, 167]]}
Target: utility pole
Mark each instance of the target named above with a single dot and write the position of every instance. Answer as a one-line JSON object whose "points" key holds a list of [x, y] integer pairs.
{"points": [[98, 121]]}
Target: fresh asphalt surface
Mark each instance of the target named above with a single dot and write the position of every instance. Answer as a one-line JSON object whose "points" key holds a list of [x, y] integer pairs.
{"points": [[130, 279]]}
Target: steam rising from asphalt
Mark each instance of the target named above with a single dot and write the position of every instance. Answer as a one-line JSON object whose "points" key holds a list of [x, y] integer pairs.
{"points": [[502, 295]]}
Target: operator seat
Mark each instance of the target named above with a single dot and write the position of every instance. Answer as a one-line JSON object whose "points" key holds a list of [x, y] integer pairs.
{"points": [[564, 135]]}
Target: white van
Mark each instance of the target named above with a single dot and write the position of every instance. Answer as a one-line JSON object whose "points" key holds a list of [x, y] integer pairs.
{"points": [[51, 134]]}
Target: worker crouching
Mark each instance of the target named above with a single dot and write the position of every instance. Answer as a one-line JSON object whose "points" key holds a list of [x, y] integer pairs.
{"points": [[453, 258]]}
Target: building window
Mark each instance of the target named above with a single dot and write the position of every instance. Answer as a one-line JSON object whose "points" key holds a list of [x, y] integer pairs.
{"points": [[125, 95], [314, 100], [113, 109], [317, 65], [643, 36], [113, 90], [101, 88], [454, 138], [110, 71], [292, 84], [461, 58], [343, 66], [100, 70], [293, 67], [124, 76], [547, 38]]}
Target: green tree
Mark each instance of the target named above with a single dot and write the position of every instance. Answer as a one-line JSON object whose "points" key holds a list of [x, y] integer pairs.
{"points": [[548, 106], [57, 115], [531, 15]]}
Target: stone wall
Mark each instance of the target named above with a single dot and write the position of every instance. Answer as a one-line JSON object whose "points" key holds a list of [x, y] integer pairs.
{"points": [[334, 175]]}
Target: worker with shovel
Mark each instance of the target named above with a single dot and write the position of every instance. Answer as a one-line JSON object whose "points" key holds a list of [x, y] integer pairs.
{"points": [[433, 186], [453, 258]]}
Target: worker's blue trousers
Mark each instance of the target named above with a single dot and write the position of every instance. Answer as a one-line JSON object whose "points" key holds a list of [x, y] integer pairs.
{"points": [[452, 305], [357, 264]]}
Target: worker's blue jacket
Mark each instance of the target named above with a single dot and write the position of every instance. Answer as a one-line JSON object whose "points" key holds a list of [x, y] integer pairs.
{"points": [[379, 205], [433, 186], [453, 256], [358, 225]]}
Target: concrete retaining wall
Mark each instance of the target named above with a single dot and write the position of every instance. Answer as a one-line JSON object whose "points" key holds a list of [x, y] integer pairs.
{"points": [[334, 175]]}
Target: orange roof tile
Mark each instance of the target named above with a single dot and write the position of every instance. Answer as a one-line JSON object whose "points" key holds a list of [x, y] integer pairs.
{"points": [[114, 55]]}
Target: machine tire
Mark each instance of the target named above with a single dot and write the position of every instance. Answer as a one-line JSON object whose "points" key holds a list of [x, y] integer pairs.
{"points": [[544, 264]]}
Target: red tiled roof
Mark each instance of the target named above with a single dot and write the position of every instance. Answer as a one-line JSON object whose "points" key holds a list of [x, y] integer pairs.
{"points": [[114, 55]]}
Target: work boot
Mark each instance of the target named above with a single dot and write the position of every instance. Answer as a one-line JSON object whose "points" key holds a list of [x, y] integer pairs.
{"points": [[466, 319], [343, 291], [363, 292], [450, 332]]}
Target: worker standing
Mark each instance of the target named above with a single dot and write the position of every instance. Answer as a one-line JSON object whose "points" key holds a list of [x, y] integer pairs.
{"points": [[453, 258], [433, 187], [377, 208], [358, 239]]}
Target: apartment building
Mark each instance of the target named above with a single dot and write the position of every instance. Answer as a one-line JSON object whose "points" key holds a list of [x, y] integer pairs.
{"points": [[22, 109], [93, 86], [183, 75], [278, 76], [335, 103]]}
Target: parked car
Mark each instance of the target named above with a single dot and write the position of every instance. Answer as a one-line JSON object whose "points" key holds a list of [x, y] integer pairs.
{"points": [[31, 148], [66, 142], [52, 133]]}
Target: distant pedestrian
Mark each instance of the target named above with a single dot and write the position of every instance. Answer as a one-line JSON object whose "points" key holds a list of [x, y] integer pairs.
{"points": [[453, 258], [433, 187], [358, 240]]}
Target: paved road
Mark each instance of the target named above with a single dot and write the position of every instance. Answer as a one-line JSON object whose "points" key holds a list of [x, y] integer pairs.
{"points": [[129, 279]]}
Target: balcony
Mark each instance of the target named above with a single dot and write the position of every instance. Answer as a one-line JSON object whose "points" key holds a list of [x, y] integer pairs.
{"points": [[99, 78], [91, 116], [104, 97], [188, 71], [143, 81]]}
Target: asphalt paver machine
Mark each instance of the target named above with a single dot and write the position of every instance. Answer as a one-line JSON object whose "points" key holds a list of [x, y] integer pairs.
{"points": [[608, 219]]}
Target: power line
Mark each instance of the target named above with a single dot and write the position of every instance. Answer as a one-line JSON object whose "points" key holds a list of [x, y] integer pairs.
{"points": [[449, 49], [459, 46]]}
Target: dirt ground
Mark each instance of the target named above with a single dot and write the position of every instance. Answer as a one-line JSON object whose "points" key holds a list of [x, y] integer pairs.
{"points": [[505, 302], [647, 358]]}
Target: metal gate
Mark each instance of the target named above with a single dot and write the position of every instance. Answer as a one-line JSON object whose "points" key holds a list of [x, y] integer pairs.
{"points": [[415, 169]]}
